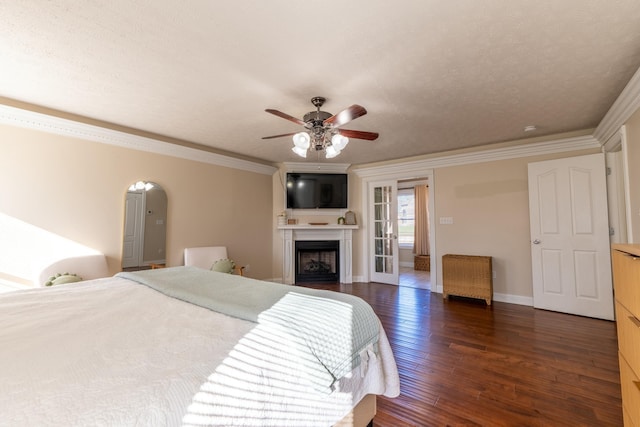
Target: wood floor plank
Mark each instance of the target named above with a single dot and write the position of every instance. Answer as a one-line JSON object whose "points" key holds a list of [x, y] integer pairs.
{"points": [[464, 363]]}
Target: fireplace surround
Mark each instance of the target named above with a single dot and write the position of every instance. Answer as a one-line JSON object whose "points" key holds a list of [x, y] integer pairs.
{"points": [[293, 233]]}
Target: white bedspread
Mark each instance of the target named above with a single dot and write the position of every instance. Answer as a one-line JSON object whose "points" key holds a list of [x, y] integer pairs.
{"points": [[112, 353]]}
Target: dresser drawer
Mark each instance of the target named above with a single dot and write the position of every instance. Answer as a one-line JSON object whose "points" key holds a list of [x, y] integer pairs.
{"points": [[626, 280], [630, 385], [628, 336]]}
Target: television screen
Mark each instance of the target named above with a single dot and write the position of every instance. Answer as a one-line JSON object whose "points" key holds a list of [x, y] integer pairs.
{"points": [[316, 191]]}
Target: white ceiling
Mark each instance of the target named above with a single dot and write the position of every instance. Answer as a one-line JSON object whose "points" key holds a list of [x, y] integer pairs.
{"points": [[434, 75]]}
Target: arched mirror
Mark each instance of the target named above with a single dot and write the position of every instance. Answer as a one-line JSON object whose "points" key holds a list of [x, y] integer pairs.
{"points": [[145, 227]]}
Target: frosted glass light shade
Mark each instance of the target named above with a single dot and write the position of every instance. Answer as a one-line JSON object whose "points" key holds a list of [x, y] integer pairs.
{"points": [[339, 141], [302, 152], [331, 152], [302, 140]]}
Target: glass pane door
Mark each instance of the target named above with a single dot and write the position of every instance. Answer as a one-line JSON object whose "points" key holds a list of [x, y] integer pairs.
{"points": [[384, 241]]}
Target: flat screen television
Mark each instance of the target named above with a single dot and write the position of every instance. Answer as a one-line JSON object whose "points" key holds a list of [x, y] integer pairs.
{"points": [[316, 191]]}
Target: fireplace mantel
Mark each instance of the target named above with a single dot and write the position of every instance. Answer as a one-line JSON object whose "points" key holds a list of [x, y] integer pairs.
{"points": [[341, 233]]}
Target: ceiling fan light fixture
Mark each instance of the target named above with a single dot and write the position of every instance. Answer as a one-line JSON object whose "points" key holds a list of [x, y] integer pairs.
{"points": [[339, 141], [302, 152], [302, 140], [331, 151], [323, 133]]}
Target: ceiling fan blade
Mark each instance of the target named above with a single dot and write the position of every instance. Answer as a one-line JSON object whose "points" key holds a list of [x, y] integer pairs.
{"points": [[285, 116], [279, 136], [346, 115], [358, 134]]}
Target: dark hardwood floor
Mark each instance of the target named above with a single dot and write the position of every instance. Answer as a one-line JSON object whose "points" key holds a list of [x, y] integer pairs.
{"points": [[462, 363]]}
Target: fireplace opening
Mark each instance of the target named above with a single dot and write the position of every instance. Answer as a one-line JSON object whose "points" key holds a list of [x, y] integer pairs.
{"points": [[317, 261]]}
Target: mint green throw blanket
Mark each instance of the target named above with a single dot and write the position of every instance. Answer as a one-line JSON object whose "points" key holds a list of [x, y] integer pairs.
{"points": [[329, 330]]}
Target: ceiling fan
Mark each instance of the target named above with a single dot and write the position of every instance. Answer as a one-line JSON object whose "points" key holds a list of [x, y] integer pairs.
{"points": [[323, 129]]}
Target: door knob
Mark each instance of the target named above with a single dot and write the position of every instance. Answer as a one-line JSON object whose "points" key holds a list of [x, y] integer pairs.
{"points": [[536, 242]]}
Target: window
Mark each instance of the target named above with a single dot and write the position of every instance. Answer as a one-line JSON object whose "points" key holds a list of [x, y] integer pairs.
{"points": [[406, 217]]}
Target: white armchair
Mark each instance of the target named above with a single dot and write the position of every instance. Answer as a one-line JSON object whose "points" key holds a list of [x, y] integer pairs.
{"points": [[86, 266], [205, 257]]}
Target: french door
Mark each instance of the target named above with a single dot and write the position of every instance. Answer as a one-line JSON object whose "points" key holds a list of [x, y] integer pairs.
{"points": [[383, 240]]}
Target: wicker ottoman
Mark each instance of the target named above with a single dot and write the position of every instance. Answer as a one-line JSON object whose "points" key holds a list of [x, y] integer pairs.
{"points": [[422, 263], [467, 276]]}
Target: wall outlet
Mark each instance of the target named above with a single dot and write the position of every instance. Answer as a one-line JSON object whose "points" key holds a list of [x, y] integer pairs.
{"points": [[247, 267], [494, 274]]}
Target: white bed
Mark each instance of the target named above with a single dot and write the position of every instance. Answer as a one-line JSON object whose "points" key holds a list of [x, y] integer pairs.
{"points": [[112, 351]]}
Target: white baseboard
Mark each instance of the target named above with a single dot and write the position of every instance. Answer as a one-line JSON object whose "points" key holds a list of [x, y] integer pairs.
{"points": [[513, 299], [508, 298]]}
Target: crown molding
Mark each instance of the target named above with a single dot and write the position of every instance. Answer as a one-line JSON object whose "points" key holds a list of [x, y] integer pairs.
{"points": [[614, 143], [50, 124], [411, 168], [316, 167], [625, 105]]}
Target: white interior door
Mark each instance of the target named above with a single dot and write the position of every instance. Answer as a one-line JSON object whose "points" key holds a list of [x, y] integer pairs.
{"points": [[133, 230], [570, 236], [383, 208]]}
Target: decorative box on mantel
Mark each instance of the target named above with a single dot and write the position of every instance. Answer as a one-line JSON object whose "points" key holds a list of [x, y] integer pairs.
{"points": [[342, 233]]}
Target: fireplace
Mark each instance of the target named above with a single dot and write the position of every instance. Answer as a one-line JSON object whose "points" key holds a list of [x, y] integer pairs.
{"points": [[293, 233], [317, 261]]}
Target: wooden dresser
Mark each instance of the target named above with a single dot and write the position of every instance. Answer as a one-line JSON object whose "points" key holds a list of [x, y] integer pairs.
{"points": [[626, 282]]}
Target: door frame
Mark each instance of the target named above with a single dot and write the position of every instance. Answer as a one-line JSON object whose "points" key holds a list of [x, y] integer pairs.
{"points": [[619, 197], [408, 173]]}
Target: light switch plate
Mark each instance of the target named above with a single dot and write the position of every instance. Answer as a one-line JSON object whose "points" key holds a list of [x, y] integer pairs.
{"points": [[446, 220]]}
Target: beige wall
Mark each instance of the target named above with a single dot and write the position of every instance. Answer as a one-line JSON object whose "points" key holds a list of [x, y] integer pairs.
{"points": [[406, 256], [76, 189], [489, 203], [633, 159]]}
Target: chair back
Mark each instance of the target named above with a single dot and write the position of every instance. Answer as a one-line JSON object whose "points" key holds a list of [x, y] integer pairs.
{"points": [[204, 257], [86, 266]]}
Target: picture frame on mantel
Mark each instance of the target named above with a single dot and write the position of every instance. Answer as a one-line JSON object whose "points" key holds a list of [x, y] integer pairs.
{"points": [[349, 218]]}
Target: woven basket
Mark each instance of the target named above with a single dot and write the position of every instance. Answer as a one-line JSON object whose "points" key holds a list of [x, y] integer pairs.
{"points": [[467, 276], [422, 263]]}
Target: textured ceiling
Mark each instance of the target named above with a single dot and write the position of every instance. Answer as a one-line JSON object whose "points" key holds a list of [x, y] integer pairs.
{"points": [[433, 75]]}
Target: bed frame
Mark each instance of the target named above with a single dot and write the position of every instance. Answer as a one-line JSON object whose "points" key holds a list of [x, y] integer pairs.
{"points": [[362, 415]]}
